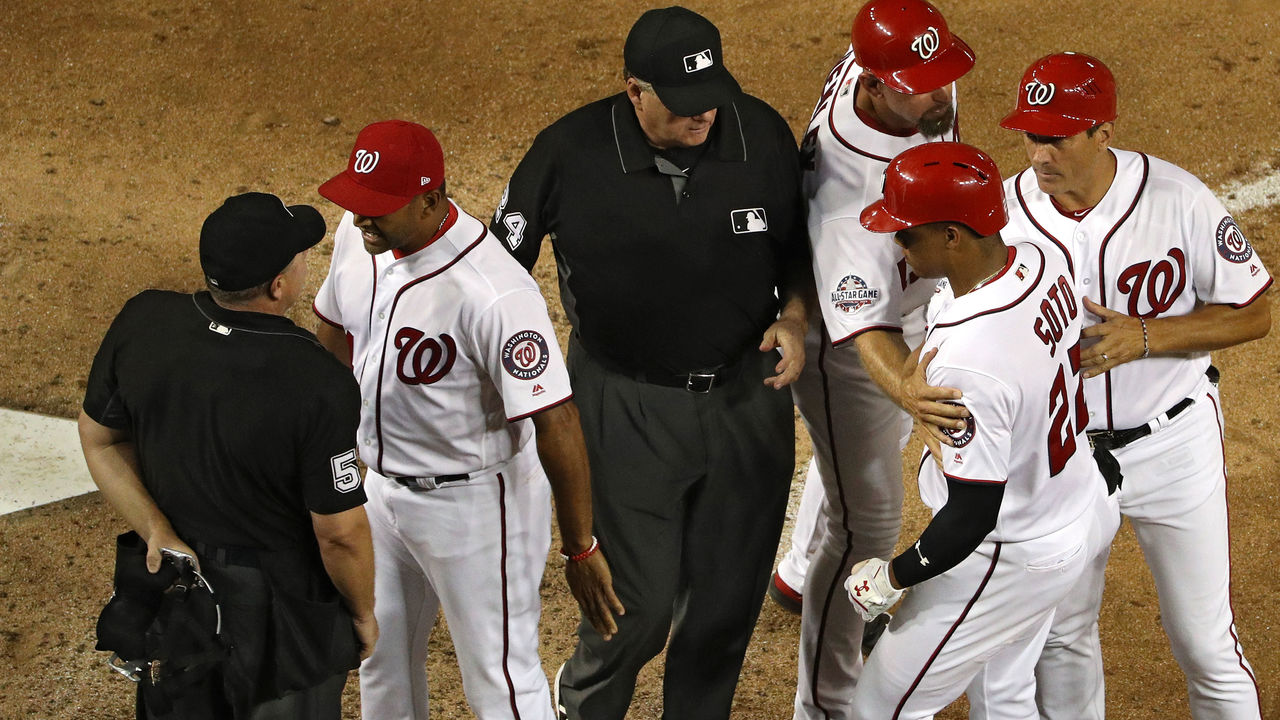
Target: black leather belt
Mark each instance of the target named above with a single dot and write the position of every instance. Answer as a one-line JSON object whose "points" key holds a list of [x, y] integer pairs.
{"points": [[217, 555], [698, 381], [1116, 439], [422, 484], [1102, 442]]}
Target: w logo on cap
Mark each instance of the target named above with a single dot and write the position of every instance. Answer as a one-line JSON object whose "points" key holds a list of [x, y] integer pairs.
{"points": [[927, 44], [365, 161], [1039, 93]]}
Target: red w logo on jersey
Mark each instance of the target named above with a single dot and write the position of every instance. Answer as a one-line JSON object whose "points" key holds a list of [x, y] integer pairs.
{"points": [[1159, 284], [423, 360]]}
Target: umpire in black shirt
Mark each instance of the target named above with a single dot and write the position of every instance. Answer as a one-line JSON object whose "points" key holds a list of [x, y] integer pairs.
{"points": [[218, 428], [675, 216]]}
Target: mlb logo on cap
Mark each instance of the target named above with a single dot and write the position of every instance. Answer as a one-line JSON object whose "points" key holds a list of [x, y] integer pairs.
{"points": [[698, 61], [678, 52]]}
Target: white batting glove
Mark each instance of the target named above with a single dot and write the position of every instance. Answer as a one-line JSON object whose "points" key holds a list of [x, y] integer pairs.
{"points": [[869, 588]]}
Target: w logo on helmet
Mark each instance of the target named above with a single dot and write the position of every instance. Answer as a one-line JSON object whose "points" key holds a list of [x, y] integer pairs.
{"points": [[1039, 93], [927, 44], [365, 161]]}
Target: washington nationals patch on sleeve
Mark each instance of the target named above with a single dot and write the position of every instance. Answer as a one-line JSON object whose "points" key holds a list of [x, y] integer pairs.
{"points": [[525, 355], [1231, 243]]}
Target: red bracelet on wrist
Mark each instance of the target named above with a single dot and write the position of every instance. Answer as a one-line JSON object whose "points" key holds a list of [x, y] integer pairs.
{"points": [[595, 546]]}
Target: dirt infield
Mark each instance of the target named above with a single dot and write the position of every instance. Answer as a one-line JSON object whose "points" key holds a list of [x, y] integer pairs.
{"points": [[128, 121]]}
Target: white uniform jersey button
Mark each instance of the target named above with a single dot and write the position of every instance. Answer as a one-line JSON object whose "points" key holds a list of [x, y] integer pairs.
{"points": [[382, 316]]}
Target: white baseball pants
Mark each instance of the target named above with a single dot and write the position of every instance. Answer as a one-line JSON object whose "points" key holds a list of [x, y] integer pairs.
{"points": [[477, 549]]}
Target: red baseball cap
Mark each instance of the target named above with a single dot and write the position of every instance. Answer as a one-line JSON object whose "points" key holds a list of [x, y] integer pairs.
{"points": [[939, 182], [392, 162], [907, 45], [1062, 95]]}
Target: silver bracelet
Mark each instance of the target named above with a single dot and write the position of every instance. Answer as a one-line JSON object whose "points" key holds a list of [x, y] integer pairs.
{"points": [[1146, 348]]}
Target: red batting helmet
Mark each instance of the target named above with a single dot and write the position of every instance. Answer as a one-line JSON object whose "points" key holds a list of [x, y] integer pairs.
{"points": [[1063, 94], [939, 182], [907, 46]]}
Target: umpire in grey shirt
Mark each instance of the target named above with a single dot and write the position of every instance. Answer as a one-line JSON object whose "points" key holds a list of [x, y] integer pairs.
{"points": [[675, 216]]}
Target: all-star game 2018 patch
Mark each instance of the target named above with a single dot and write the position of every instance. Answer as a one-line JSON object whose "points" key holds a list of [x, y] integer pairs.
{"points": [[852, 294]]}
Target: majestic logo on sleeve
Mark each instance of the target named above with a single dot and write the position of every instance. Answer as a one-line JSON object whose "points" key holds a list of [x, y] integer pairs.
{"points": [[365, 161], [1159, 284], [749, 220], [927, 44], [852, 294], [1039, 93], [1232, 244], [423, 360], [698, 61], [525, 355]]}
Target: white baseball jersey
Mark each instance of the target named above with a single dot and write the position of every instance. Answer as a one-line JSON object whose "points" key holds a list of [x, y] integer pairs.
{"points": [[1157, 243], [1012, 346], [858, 432], [1025, 386], [863, 282], [451, 345]]}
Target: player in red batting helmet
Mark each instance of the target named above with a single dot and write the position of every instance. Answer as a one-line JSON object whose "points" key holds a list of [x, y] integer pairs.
{"points": [[946, 183], [1066, 105], [940, 182], [1063, 95], [907, 45], [910, 59]]}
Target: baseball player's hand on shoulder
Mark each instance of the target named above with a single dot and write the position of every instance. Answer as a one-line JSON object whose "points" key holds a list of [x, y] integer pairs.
{"points": [[870, 590], [932, 408], [788, 334], [1121, 340], [592, 586]]}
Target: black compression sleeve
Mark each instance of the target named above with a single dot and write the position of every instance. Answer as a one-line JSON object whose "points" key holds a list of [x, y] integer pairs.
{"points": [[970, 513]]}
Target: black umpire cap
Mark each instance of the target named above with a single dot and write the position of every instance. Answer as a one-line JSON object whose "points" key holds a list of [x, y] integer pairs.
{"points": [[252, 237], [678, 52]]}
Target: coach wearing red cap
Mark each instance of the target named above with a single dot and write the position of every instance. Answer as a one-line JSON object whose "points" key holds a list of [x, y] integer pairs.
{"points": [[458, 364], [674, 211], [1166, 276]]}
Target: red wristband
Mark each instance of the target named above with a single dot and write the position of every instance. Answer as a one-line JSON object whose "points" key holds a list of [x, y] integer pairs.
{"points": [[595, 546]]}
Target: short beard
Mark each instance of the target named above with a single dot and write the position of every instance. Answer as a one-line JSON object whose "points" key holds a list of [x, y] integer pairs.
{"points": [[937, 126]]}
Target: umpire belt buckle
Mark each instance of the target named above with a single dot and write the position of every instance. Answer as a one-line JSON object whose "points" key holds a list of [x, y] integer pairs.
{"points": [[700, 382]]}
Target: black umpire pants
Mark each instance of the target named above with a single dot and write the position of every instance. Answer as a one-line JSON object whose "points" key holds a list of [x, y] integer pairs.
{"points": [[689, 493]]}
